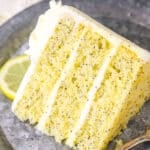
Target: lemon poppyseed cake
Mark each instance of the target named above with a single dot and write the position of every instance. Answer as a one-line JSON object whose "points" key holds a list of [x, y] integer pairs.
{"points": [[84, 83]]}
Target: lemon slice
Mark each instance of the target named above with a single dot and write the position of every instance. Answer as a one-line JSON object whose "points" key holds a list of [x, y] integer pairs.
{"points": [[12, 73]]}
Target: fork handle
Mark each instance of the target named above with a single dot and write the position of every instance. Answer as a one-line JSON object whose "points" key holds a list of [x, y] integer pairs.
{"points": [[136, 141]]}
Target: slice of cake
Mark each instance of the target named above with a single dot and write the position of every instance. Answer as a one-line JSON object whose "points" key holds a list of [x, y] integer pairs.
{"points": [[85, 82]]}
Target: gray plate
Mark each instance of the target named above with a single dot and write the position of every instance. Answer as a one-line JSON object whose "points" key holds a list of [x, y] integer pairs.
{"points": [[130, 19]]}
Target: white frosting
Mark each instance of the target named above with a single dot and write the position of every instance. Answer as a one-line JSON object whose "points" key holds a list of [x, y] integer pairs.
{"points": [[54, 4], [96, 85], [42, 33], [53, 93]]}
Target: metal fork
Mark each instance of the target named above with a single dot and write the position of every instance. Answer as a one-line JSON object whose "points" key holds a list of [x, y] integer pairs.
{"points": [[136, 141]]}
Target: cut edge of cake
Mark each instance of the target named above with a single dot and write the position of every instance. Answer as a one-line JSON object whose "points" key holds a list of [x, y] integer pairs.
{"points": [[112, 37], [107, 33], [37, 44]]}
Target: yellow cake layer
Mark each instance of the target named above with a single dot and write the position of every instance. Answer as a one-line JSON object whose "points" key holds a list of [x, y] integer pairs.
{"points": [[118, 99], [47, 71], [71, 96]]}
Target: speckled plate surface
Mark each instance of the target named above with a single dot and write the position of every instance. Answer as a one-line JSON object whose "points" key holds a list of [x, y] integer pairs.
{"points": [[129, 18]]}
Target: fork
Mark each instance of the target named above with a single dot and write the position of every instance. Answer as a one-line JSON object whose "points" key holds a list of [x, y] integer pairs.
{"points": [[136, 141]]}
